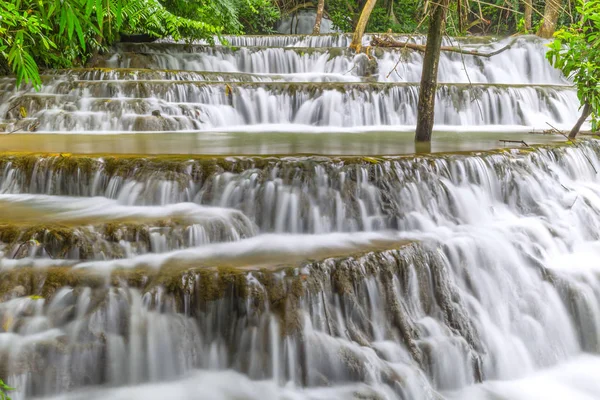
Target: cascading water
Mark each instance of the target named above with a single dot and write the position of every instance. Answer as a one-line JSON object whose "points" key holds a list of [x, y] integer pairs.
{"points": [[449, 276], [274, 88], [303, 22], [451, 271]]}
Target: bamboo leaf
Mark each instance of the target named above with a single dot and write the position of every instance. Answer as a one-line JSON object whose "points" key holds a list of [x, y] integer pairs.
{"points": [[79, 33], [99, 13]]}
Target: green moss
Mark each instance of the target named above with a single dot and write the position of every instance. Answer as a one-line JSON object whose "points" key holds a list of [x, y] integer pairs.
{"points": [[371, 160], [178, 166], [60, 241], [71, 165], [53, 279], [9, 233], [279, 289]]}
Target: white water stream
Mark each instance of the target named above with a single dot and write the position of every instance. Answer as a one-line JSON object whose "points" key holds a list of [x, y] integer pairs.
{"points": [[501, 285], [466, 276], [196, 88]]}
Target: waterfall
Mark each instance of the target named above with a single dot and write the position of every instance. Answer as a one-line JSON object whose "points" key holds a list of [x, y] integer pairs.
{"points": [[428, 275], [272, 256], [179, 87], [523, 62], [200, 106], [303, 22]]}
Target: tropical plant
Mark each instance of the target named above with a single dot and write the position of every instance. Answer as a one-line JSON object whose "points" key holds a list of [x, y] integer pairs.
{"points": [[20, 34], [222, 13], [63, 33], [233, 16], [4, 389], [576, 51], [257, 16]]}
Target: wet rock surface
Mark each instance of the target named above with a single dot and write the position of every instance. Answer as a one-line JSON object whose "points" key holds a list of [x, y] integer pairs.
{"points": [[463, 275], [392, 282]]}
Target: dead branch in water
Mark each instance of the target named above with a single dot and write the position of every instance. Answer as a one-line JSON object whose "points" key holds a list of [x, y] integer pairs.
{"points": [[515, 141], [556, 130], [389, 41]]}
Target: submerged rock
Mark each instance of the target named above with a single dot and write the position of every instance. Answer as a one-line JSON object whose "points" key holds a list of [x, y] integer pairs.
{"points": [[154, 123]]}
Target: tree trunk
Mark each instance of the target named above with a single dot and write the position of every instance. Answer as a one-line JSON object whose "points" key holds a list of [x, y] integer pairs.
{"points": [[551, 13], [462, 7], [320, 8], [389, 41], [390, 12], [587, 110], [431, 59], [528, 14], [356, 43]]}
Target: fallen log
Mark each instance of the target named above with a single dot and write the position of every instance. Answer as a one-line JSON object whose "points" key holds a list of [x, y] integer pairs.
{"points": [[515, 141], [389, 41]]}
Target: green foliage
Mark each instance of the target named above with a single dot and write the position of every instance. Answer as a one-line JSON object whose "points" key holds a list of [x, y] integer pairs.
{"points": [[63, 33], [379, 20], [4, 389], [576, 51], [409, 15], [340, 14], [151, 17], [257, 16], [232, 16], [405, 18], [20, 34], [521, 26], [217, 13]]}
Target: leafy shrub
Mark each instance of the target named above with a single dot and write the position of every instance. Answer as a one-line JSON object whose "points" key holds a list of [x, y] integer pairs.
{"points": [[406, 14], [340, 15], [4, 389], [63, 33], [576, 51], [258, 16]]}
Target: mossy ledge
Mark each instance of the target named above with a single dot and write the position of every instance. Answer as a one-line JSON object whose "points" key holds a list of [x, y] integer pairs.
{"points": [[117, 164], [91, 241], [91, 174], [242, 300], [189, 289]]}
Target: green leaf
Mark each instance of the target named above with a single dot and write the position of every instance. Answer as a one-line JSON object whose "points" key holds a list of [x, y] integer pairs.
{"points": [[79, 33], [89, 8], [99, 14], [119, 13], [70, 23]]}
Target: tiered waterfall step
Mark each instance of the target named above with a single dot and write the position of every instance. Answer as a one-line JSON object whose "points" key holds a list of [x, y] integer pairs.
{"points": [[331, 40], [170, 87], [524, 62], [166, 105], [406, 277], [310, 277], [256, 321]]}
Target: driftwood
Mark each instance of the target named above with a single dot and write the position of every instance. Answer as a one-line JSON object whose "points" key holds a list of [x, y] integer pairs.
{"points": [[554, 130], [389, 41], [561, 132], [565, 133], [515, 141], [299, 7]]}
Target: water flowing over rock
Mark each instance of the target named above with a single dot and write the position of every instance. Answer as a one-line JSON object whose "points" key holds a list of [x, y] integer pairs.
{"points": [[427, 275], [303, 22], [294, 275], [196, 87]]}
